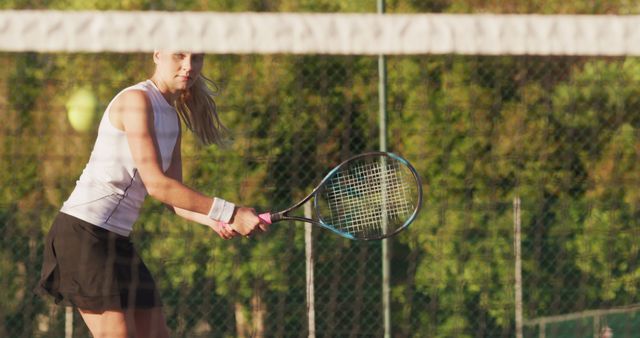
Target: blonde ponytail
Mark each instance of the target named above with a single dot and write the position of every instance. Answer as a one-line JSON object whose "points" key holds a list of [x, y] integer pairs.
{"points": [[198, 111]]}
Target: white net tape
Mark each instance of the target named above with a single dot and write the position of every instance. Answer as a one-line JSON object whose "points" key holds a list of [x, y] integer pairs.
{"points": [[295, 33]]}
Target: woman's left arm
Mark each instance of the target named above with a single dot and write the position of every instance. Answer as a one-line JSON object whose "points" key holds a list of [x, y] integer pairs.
{"points": [[175, 172]]}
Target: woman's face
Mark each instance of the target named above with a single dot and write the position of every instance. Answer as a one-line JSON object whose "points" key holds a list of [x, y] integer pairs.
{"points": [[178, 70]]}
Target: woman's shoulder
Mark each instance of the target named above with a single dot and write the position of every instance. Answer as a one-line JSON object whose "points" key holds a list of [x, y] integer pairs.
{"points": [[129, 103], [131, 97]]}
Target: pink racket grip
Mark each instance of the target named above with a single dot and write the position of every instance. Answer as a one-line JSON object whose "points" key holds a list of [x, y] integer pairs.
{"points": [[266, 218]]}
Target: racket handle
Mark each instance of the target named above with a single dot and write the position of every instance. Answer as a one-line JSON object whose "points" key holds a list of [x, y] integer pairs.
{"points": [[265, 217]]}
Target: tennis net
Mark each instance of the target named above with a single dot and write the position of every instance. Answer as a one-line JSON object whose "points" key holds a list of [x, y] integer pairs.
{"points": [[488, 108]]}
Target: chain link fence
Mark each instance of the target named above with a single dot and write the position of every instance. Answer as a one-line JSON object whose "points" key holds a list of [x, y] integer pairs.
{"points": [[559, 133]]}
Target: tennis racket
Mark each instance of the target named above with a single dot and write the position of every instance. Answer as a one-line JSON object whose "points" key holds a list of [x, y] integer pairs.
{"points": [[367, 197]]}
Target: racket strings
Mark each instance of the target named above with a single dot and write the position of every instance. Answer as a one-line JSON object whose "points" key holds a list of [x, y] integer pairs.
{"points": [[369, 198], [363, 210]]}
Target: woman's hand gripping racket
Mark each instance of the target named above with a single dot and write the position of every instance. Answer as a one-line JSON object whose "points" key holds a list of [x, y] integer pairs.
{"points": [[367, 197]]}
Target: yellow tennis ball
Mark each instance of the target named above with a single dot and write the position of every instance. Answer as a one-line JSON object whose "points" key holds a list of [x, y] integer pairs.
{"points": [[81, 109]]}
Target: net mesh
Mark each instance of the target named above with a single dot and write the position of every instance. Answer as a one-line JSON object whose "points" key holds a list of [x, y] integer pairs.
{"points": [[551, 119]]}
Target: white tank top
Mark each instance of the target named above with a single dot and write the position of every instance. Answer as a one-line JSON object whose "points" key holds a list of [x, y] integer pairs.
{"points": [[110, 192]]}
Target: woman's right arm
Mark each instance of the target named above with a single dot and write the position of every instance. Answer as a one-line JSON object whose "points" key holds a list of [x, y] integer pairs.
{"points": [[175, 171], [132, 113]]}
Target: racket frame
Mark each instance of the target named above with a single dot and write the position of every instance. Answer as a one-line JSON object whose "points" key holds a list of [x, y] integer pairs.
{"points": [[283, 215]]}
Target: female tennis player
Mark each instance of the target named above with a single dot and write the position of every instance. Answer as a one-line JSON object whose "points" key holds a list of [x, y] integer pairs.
{"points": [[89, 261]]}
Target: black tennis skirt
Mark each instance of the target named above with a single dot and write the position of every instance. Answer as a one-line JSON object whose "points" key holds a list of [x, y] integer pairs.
{"points": [[94, 269]]}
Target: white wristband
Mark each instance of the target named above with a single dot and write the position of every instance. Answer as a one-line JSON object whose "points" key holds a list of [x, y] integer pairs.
{"points": [[221, 210]]}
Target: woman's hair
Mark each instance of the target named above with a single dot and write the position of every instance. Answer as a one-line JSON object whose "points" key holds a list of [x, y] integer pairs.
{"points": [[198, 111]]}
